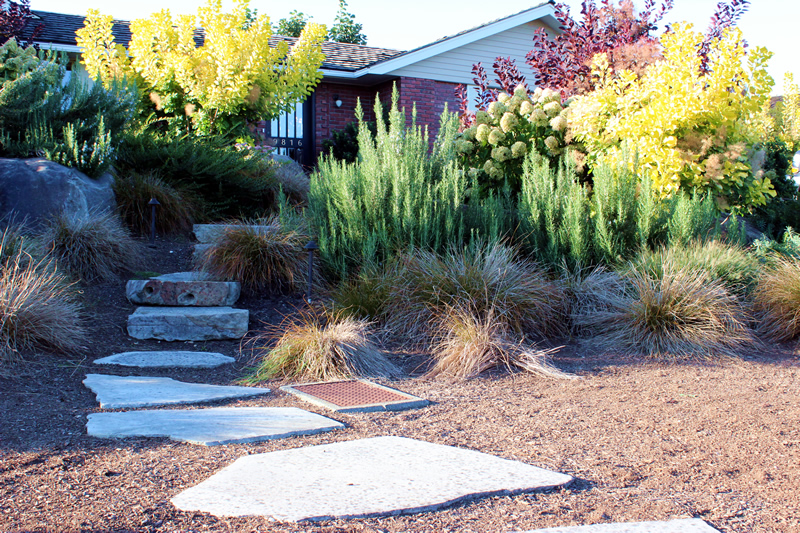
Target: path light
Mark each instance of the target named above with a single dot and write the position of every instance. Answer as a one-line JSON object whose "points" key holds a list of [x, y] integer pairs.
{"points": [[311, 246], [153, 203]]}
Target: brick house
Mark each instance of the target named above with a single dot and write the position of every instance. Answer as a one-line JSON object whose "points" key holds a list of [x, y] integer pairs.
{"points": [[426, 76]]}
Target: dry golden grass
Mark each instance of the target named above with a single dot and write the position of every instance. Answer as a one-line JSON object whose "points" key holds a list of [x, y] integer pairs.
{"points": [[97, 247], [259, 259], [777, 300], [468, 345], [37, 310], [681, 313], [318, 347]]}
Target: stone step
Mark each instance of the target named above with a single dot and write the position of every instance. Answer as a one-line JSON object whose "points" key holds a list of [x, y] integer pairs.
{"points": [[188, 323], [122, 392], [211, 233], [196, 289], [211, 427], [167, 359]]}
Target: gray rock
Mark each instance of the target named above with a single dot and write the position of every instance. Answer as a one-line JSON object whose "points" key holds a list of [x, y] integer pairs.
{"points": [[38, 189], [690, 525], [119, 392], [193, 289], [188, 323], [369, 477], [211, 233], [211, 427], [164, 359]]}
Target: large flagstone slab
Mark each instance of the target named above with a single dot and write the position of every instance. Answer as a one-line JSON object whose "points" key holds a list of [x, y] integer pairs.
{"points": [[195, 289], [211, 427], [368, 477], [116, 392], [156, 359], [188, 323], [690, 525]]}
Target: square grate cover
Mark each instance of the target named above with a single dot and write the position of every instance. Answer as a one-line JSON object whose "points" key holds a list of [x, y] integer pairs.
{"points": [[355, 396]]}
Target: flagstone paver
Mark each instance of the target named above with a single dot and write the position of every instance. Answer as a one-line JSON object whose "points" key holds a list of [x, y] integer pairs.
{"points": [[188, 323], [155, 359], [115, 392], [195, 289], [368, 477], [691, 525], [211, 427]]}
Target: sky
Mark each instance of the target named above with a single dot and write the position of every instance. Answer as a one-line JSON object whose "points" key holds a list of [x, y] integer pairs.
{"points": [[407, 24]]}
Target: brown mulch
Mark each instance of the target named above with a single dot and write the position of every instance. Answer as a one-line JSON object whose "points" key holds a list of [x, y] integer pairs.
{"points": [[644, 440]]}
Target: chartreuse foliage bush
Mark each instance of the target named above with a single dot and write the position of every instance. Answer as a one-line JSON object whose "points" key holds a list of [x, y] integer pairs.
{"points": [[75, 123], [398, 196], [233, 76], [495, 147], [689, 129]]}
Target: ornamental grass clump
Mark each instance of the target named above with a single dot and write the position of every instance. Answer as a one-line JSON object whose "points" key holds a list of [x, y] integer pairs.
{"points": [[176, 210], [480, 278], [677, 313], [261, 256], [92, 248], [777, 300], [466, 345], [320, 347], [37, 308]]}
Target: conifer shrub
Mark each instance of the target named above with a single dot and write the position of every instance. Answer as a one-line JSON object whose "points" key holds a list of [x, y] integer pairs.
{"points": [[316, 346], [96, 247], [675, 313]]}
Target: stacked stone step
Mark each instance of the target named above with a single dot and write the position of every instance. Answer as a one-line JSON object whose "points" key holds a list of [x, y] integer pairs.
{"points": [[186, 306]]}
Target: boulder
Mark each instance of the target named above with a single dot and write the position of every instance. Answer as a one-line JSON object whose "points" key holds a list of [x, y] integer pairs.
{"points": [[193, 289], [37, 189], [188, 323]]}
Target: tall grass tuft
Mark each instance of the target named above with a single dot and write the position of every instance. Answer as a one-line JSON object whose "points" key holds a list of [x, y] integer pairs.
{"points": [[37, 307], [478, 279], [97, 247], [679, 313], [729, 264], [466, 345], [777, 299], [176, 212], [318, 347], [398, 195], [367, 294], [261, 256]]}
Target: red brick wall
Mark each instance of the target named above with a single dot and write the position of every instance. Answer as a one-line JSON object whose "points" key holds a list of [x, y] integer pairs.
{"points": [[428, 95]]}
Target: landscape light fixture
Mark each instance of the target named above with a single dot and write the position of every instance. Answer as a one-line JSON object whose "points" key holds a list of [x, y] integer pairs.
{"points": [[311, 246], [337, 101], [153, 203]]}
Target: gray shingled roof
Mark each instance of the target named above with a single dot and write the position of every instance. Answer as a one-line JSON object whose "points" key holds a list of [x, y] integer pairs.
{"points": [[59, 28]]}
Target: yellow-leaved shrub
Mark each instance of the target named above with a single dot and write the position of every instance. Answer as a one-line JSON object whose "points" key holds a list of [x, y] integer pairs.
{"points": [[690, 130]]}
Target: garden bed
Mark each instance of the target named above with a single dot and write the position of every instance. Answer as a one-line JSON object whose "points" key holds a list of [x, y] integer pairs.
{"points": [[644, 440]]}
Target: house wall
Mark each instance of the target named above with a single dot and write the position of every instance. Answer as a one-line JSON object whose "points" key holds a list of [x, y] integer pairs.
{"points": [[430, 97], [455, 66]]}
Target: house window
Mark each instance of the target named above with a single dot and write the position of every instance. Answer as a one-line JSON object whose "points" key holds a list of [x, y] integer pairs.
{"points": [[286, 133]]}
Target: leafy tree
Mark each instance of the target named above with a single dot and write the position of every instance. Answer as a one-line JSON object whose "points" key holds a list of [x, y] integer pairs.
{"points": [[14, 17], [345, 29], [233, 76], [294, 25], [693, 136]]}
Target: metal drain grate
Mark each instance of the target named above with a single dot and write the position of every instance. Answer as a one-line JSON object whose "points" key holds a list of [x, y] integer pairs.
{"points": [[354, 396]]}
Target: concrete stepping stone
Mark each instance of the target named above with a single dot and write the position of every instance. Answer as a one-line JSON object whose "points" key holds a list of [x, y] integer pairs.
{"points": [[188, 323], [161, 359], [361, 478], [195, 289], [116, 392], [211, 427], [690, 525]]}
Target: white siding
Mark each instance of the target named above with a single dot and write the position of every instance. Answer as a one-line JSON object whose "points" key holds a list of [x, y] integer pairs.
{"points": [[455, 66]]}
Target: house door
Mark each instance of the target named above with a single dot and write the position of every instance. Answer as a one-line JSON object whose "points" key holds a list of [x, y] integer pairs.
{"points": [[292, 133]]}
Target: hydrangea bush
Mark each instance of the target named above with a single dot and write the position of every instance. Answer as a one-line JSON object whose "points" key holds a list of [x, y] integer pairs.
{"points": [[494, 148]]}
